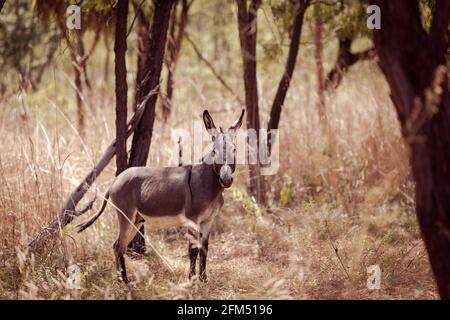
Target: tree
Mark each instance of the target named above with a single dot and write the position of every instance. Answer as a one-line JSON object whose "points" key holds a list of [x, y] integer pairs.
{"points": [[318, 26], [152, 70], [346, 21], [33, 54], [247, 23], [283, 85], [153, 64], [176, 34], [143, 45], [120, 49], [94, 17], [414, 63], [79, 62]]}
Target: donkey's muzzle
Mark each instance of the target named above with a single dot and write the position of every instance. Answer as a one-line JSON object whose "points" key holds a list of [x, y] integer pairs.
{"points": [[226, 176], [226, 183]]}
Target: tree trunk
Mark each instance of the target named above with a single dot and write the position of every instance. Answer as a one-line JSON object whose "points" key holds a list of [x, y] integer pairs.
{"points": [[120, 49], [157, 38], [78, 96], [247, 23], [79, 67], [143, 52], [285, 80], [152, 66], [321, 106], [166, 101], [176, 35], [319, 70], [414, 63], [106, 65]]}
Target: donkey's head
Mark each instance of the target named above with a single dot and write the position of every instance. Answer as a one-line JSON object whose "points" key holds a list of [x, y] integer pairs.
{"points": [[224, 148]]}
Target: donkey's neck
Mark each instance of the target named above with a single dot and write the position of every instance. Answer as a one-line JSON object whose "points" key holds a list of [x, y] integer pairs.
{"points": [[208, 180]]}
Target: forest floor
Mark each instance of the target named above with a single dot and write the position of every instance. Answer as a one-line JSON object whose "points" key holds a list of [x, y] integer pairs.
{"points": [[311, 252]]}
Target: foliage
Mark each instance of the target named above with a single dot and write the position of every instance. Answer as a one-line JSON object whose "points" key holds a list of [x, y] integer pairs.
{"points": [[344, 19], [427, 8], [23, 43]]}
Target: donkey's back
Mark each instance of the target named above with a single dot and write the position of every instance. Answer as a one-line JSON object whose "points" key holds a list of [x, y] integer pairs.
{"points": [[152, 191]]}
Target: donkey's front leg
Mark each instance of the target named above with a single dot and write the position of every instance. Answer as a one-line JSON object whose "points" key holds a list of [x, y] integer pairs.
{"points": [[193, 252], [204, 237]]}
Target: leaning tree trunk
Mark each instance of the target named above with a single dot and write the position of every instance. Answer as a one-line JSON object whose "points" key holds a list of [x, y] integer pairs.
{"points": [[247, 23], [120, 49], [285, 80], [142, 138], [68, 212], [153, 64], [414, 63]]}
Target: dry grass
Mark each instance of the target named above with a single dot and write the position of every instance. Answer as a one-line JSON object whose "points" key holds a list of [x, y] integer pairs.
{"points": [[329, 219]]}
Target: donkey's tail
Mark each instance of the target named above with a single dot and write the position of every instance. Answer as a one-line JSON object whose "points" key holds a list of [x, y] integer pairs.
{"points": [[87, 224]]}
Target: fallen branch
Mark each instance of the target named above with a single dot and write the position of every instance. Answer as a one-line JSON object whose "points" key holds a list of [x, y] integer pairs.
{"points": [[68, 212]]}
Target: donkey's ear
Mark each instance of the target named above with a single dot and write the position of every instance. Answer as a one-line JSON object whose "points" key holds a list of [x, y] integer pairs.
{"points": [[208, 120], [235, 126]]}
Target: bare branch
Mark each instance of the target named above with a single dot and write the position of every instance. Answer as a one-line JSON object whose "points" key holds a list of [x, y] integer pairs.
{"points": [[137, 10], [212, 69]]}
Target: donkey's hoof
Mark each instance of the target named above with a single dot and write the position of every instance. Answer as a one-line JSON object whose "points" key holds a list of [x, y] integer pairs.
{"points": [[123, 279], [203, 278]]}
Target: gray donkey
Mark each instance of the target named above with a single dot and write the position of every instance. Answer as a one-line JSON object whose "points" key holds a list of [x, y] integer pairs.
{"points": [[174, 196]]}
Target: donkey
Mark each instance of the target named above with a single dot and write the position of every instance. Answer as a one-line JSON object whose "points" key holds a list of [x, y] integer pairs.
{"points": [[174, 196]]}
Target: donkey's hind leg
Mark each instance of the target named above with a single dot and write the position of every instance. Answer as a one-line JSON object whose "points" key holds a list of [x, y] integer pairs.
{"points": [[127, 232]]}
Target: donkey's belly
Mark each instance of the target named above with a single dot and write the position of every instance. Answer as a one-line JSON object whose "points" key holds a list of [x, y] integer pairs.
{"points": [[175, 221], [164, 221]]}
